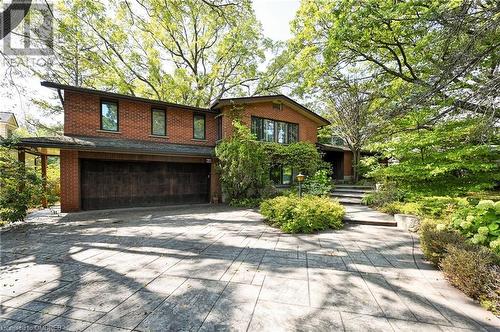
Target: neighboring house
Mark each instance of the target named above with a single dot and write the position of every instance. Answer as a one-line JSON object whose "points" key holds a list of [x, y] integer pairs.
{"points": [[8, 124], [125, 151]]}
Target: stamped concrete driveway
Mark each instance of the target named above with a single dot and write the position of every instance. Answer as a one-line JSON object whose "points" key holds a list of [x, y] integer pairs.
{"points": [[215, 268]]}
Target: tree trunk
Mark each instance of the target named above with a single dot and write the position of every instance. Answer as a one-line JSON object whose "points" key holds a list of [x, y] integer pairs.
{"points": [[355, 161]]}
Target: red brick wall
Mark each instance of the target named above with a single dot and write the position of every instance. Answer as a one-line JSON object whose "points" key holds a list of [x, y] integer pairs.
{"points": [[70, 181], [82, 117], [308, 129]]}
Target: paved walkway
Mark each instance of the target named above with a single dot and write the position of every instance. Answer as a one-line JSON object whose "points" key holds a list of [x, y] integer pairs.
{"points": [[215, 268], [362, 214]]}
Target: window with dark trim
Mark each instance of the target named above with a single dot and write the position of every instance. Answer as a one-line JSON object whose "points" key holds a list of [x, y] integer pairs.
{"points": [[109, 115], [199, 126], [281, 175], [158, 122], [274, 131], [219, 127]]}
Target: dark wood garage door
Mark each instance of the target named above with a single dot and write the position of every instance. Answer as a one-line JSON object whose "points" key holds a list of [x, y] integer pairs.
{"points": [[115, 184]]}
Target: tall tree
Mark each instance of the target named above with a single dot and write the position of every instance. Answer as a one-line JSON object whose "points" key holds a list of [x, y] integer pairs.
{"points": [[423, 52], [436, 68], [190, 52], [211, 49], [350, 111]]}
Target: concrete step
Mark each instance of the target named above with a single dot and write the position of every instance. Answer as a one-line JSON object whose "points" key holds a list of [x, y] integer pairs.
{"points": [[348, 200], [361, 214], [353, 186], [372, 222], [357, 190], [347, 194]]}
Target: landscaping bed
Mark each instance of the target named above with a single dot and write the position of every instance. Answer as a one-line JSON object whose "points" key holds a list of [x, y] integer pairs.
{"points": [[459, 235]]}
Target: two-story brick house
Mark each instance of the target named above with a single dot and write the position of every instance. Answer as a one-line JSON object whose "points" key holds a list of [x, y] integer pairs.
{"points": [[125, 151]]}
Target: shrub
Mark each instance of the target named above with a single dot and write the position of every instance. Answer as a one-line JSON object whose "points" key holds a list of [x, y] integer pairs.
{"points": [[246, 202], [53, 181], [319, 184], [388, 193], [243, 165], [441, 206], [475, 197], [302, 215], [367, 165], [480, 223], [301, 156], [472, 270], [405, 208], [20, 188], [434, 207], [435, 238]]}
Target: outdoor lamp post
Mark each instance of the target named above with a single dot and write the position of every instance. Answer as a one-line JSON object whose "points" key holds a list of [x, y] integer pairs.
{"points": [[300, 179]]}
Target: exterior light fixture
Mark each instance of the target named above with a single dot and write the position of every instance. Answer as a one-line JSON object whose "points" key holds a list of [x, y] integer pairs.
{"points": [[300, 179]]}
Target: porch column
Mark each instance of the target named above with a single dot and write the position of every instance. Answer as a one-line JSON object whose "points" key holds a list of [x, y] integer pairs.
{"points": [[43, 158], [215, 196]]}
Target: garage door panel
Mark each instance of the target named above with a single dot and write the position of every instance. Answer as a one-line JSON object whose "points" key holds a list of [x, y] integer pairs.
{"points": [[114, 184]]}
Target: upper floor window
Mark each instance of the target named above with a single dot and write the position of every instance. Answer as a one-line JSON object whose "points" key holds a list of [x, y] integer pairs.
{"points": [[275, 131], [109, 115], [199, 124], [158, 122]]}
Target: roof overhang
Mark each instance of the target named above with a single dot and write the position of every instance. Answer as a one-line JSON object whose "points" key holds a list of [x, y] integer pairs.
{"points": [[52, 145], [273, 98], [332, 147], [113, 95]]}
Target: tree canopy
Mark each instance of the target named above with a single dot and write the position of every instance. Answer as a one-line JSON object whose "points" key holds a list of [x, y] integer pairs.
{"points": [[421, 53], [433, 68], [188, 51]]}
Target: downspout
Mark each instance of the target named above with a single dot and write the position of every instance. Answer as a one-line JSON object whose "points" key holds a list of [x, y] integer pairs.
{"points": [[60, 96]]}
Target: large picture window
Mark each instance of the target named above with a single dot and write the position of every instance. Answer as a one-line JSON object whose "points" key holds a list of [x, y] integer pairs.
{"points": [[268, 130], [109, 115], [158, 122], [199, 126], [275, 131], [281, 132]]}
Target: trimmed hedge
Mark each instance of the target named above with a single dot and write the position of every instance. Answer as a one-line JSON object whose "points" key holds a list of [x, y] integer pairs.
{"points": [[302, 215]]}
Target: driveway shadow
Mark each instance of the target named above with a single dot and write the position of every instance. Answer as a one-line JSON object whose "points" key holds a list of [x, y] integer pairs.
{"points": [[215, 268]]}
